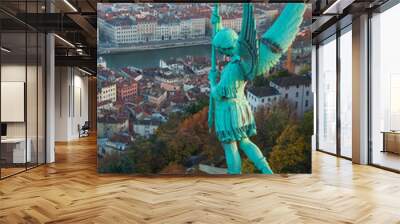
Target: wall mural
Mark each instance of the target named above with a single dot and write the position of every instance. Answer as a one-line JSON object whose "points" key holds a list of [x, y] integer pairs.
{"points": [[202, 88]]}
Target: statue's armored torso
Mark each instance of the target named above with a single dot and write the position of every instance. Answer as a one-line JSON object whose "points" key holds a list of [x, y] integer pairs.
{"points": [[234, 119]]}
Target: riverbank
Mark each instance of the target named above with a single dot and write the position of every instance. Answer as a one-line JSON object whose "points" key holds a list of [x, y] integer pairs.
{"points": [[153, 46]]}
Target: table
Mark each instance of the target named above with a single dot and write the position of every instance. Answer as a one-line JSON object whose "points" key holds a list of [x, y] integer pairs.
{"points": [[391, 141]]}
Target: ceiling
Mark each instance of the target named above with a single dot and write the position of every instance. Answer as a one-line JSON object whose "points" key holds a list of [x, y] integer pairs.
{"points": [[76, 22], [331, 15]]}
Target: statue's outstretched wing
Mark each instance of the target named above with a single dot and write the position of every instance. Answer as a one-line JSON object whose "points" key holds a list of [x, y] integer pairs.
{"points": [[279, 36], [247, 43]]}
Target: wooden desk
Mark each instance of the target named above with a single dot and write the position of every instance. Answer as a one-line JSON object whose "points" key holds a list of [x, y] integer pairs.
{"points": [[391, 141], [15, 148]]}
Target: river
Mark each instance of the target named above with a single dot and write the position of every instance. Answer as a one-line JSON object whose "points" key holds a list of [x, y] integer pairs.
{"points": [[151, 58]]}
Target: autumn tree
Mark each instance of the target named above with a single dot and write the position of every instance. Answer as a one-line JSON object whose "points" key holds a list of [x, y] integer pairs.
{"points": [[292, 152], [284, 140], [194, 134], [248, 167], [270, 124], [182, 137]]}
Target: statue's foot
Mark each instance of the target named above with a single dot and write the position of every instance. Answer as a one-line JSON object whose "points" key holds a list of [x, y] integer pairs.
{"points": [[234, 172], [263, 166], [267, 170], [255, 155]]}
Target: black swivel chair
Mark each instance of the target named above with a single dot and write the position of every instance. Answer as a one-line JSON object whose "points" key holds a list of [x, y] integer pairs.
{"points": [[84, 130]]}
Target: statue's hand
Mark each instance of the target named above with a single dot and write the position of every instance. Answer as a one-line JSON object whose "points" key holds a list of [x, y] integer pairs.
{"points": [[215, 18], [212, 76]]}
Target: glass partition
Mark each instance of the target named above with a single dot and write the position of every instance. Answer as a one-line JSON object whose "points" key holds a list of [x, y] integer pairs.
{"points": [[13, 94], [385, 89], [22, 77], [346, 93], [327, 96]]}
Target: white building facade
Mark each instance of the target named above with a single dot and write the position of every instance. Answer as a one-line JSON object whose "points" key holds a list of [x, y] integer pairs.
{"points": [[297, 90], [232, 22], [146, 128], [294, 89], [108, 93], [264, 96], [120, 31], [131, 30]]}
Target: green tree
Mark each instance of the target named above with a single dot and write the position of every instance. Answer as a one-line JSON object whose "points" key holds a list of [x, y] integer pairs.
{"points": [[116, 162], [260, 81], [305, 69], [142, 156], [196, 106], [291, 153], [307, 126], [270, 124], [280, 73]]}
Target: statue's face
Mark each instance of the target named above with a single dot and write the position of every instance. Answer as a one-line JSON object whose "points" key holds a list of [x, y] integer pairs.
{"points": [[226, 51], [225, 41]]}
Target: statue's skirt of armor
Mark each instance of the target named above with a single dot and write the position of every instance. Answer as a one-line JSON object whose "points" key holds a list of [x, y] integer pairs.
{"points": [[234, 119]]}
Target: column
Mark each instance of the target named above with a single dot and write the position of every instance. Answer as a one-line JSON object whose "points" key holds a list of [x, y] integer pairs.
{"points": [[360, 90]]}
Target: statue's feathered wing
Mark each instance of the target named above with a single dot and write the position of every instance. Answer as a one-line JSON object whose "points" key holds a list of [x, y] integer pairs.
{"points": [[247, 43], [275, 42]]}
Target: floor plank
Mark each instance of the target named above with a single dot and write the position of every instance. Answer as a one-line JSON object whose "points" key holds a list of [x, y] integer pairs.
{"points": [[70, 191]]}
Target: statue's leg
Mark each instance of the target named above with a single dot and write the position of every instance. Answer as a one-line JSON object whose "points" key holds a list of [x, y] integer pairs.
{"points": [[232, 158], [255, 155]]}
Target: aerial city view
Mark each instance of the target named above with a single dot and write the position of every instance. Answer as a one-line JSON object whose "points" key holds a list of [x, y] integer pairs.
{"points": [[153, 91]]}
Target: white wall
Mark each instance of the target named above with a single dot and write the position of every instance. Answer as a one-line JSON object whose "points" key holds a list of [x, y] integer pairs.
{"points": [[71, 102], [80, 110], [13, 73]]}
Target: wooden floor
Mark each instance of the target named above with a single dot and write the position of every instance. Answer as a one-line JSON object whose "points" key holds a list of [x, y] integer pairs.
{"points": [[387, 159], [70, 191], [5, 172]]}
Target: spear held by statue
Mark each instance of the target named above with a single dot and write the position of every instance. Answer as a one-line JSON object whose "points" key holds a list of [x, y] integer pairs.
{"points": [[215, 22]]}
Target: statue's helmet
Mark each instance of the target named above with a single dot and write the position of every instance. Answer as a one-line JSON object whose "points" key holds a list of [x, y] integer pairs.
{"points": [[225, 41]]}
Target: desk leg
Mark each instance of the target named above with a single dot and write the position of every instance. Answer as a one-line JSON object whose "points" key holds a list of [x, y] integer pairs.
{"points": [[384, 142]]}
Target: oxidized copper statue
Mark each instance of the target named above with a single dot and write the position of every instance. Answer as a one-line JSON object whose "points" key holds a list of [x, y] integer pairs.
{"points": [[249, 57]]}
